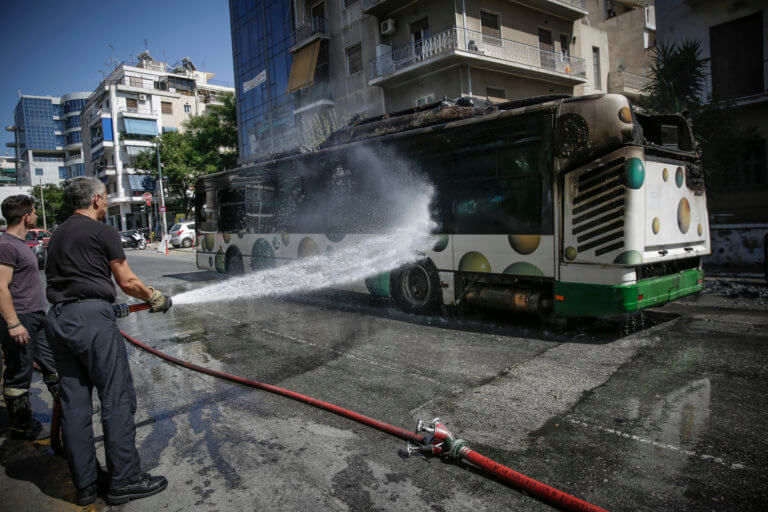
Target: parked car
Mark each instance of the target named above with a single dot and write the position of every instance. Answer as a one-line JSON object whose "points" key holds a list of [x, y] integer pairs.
{"points": [[42, 234], [183, 234]]}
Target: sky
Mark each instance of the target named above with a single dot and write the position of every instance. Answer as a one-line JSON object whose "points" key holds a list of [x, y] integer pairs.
{"points": [[51, 48]]}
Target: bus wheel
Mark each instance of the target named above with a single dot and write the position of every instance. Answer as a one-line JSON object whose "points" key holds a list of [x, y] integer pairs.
{"points": [[234, 262], [416, 287]]}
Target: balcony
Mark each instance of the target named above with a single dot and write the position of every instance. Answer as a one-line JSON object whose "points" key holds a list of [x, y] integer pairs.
{"points": [[568, 9], [140, 113], [460, 46], [628, 84], [316, 28], [316, 95]]}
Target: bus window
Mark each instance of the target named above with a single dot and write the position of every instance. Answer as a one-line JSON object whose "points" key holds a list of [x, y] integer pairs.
{"points": [[231, 210], [205, 211], [496, 206], [259, 209], [520, 160]]}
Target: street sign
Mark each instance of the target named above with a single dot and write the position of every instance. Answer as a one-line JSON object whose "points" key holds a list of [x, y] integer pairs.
{"points": [[147, 197], [162, 208]]}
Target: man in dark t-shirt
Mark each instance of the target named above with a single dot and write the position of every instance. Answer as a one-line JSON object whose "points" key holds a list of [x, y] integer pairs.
{"points": [[22, 319], [83, 256]]}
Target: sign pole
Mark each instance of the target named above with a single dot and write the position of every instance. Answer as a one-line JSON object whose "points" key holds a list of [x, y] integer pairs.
{"points": [[162, 199]]}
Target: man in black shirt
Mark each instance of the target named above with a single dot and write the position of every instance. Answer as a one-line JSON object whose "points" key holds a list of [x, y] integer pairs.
{"points": [[83, 255]]}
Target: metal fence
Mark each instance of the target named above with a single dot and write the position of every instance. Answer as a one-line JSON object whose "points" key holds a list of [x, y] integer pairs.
{"points": [[457, 38], [316, 26]]}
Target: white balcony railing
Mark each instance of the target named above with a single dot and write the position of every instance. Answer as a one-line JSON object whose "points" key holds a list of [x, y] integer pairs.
{"points": [[142, 111], [470, 41]]}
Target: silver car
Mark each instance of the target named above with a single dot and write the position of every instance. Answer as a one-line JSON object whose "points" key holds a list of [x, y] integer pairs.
{"points": [[183, 234]]}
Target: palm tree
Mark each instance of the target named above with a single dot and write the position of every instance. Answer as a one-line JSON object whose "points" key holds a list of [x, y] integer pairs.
{"points": [[678, 78]]}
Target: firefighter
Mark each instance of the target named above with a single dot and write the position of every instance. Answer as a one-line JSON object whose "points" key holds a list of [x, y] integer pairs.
{"points": [[83, 255]]}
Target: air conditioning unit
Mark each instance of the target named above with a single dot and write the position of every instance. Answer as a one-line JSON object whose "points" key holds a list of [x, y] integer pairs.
{"points": [[142, 97], [387, 27]]}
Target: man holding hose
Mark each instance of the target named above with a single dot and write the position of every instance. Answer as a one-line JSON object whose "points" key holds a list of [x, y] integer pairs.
{"points": [[83, 255]]}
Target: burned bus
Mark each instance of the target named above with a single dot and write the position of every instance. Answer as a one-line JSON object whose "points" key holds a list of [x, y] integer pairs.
{"points": [[564, 206]]}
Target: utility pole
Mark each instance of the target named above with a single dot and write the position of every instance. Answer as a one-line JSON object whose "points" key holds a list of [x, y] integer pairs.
{"points": [[162, 198], [42, 201]]}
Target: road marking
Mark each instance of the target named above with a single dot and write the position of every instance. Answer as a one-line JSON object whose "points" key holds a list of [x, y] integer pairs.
{"points": [[339, 352], [712, 458]]}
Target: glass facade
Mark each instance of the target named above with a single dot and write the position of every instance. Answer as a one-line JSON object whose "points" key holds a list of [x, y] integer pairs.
{"points": [[74, 137], [63, 173], [35, 116], [76, 170], [261, 38], [72, 122]]}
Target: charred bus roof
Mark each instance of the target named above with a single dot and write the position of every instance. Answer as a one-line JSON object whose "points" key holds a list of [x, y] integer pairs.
{"points": [[449, 113]]}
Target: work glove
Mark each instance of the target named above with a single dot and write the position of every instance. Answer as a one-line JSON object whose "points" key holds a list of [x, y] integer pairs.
{"points": [[158, 301]]}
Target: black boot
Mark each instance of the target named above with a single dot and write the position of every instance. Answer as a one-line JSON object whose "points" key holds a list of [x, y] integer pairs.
{"points": [[145, 485], [22, 424], [53, 385]]}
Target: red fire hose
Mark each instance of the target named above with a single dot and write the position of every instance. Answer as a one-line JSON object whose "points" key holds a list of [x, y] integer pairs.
{"points": [[441, 442]]}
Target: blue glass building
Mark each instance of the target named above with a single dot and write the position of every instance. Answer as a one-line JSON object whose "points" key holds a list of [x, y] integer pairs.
{"points": [[48, 138], [261, 39]]}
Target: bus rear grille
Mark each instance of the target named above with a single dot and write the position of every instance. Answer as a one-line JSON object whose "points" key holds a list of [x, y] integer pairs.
{"points": [[598, 213]]}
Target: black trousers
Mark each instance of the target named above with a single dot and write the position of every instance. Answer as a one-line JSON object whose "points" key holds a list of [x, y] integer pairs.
{"points": [[90, 352], [20, 358]]}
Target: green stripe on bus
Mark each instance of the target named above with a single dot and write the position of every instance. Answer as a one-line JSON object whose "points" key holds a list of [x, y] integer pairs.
{"points": [[581, 299]]}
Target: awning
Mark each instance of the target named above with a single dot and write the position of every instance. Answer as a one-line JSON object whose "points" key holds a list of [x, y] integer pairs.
{"points": [[141, 182], [106, 128], [140, 126], [303, 67]]}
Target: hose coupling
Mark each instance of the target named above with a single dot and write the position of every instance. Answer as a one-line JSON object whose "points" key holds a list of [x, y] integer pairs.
{"points": [[121, 310]]}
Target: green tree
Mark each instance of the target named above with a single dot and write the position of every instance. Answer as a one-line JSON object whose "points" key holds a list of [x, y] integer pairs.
{"points": [[207, 144], [678, 78], [57, 205]]}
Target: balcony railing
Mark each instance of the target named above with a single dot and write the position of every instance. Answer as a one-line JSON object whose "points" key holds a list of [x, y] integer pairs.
{"points": [[310, 29], [620, 81], [142, 111], [368, 4], [316, 92], [473, 42]]}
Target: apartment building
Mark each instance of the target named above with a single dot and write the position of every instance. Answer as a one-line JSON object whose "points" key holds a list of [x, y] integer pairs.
{"points": [[47, 138], [733, 35], [122, 117], [7, 171], [306, 67]]}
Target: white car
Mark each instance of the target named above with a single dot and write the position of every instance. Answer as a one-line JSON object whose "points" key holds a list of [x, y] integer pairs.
{"points": [[183, 234]]}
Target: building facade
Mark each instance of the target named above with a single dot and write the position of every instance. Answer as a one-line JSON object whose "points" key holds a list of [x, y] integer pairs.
{"points": [[47, 138], [733, 36], [122, 117], [7, 171], [303, 68]]}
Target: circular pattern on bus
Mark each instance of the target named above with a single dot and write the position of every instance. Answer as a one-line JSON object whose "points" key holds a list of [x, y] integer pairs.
{"points": [[625, 114], [262, 255], [286, 239], [679, 177], [276, 243], [634, 173], [221, 260], [473, 261], [522, 268], [571, 253], [572, 134], [665, 174], [378, 284], [683, 215], [226, 237], [629, 258], [335, 237], [240, 235], [524, 244], [308, 248], [210, 261], [656, 225], [699, 230], [208, 242], [441, 243]]}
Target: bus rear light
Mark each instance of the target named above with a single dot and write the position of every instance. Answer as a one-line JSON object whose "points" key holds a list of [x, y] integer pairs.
{"points": [[640, 296], [560, 298], [699, 281]]}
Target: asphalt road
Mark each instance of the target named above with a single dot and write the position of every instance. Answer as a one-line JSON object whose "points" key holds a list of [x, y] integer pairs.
{"points": [[670, 417]]}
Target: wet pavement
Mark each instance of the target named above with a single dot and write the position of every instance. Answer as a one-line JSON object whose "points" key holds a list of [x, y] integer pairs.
{"points": [[670, 417]]}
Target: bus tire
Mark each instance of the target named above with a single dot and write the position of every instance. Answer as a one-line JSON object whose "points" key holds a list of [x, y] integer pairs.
{"points": [[415, 288], [234, 262]]}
